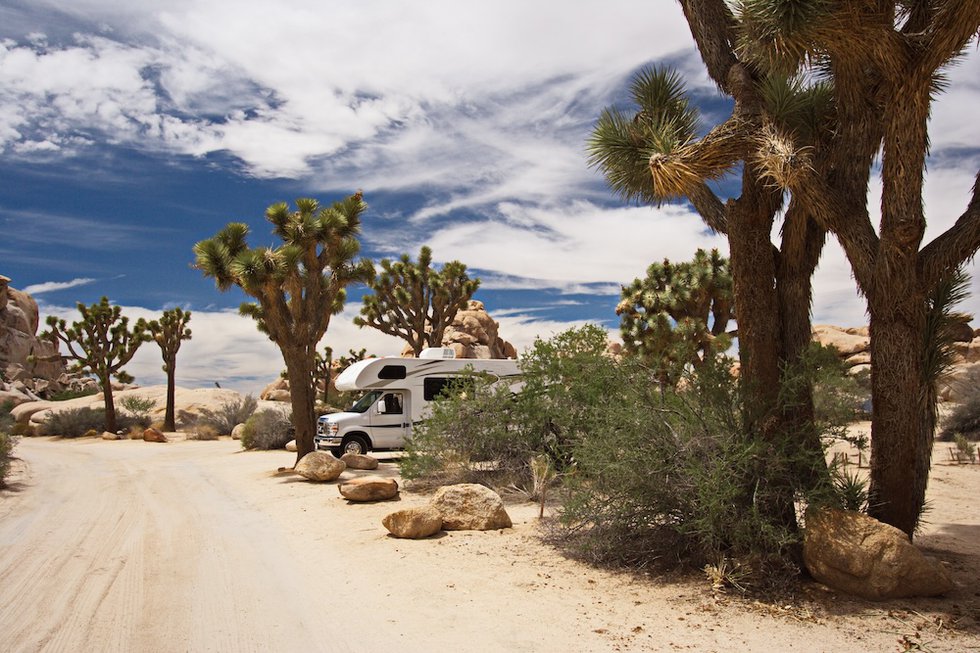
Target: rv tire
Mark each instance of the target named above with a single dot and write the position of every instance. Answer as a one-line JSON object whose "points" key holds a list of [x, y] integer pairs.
{"points": [[354, 444]]}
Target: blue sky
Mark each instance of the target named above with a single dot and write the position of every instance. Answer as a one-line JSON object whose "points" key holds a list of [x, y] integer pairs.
{"points": [[129, 131]]}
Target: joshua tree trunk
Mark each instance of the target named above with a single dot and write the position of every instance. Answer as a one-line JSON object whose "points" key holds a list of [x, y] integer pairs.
{"points": [[110, 406], [302, 396], [169, 418], [899, 438], [756, 304]]}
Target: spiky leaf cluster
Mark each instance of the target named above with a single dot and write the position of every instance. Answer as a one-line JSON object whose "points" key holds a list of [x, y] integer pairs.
{"points": [[101, 342], [677, 315], [301, 283], [414, 301]]}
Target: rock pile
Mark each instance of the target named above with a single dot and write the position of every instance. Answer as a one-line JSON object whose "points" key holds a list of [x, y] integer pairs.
{"points": [[30, 368], [462, 507], [474, 334], [853, 346]]}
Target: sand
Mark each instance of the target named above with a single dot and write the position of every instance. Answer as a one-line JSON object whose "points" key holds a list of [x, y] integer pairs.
{"points": [[197, 546]]}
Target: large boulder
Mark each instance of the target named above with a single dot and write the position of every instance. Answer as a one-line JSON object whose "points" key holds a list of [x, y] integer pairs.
{"points": [[858, 555], [369, 488], [470, 507], [320, 466], [359, 461], [20, 348], [847, 342], [413, 523]]}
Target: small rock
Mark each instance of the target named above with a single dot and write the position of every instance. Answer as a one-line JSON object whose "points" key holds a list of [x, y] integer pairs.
{"points": [[369, 488], [236, 433], [359, 461], [106, 435], [320, 466], [470, 507], [291, 445], [413, 523], [153, 435]]}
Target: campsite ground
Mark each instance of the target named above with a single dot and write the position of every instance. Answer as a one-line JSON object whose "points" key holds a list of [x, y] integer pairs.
{"points": [[197, 546]]}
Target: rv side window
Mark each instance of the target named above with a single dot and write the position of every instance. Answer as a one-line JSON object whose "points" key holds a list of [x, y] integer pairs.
{"points": [[392, 372], [432, 387]]}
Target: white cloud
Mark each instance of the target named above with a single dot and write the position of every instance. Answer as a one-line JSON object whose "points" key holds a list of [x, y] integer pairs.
{"points": [[51, 286]]}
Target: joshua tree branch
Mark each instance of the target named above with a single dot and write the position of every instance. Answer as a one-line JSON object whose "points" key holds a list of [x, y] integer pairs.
{"points": [[955, 245]]}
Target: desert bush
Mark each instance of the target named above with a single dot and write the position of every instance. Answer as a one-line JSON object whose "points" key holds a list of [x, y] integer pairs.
{"points": [[65, 395], [267, 429], [649, 474], [7, 441], [138, 409], [228, 415], [965, 417], [74, 422]]}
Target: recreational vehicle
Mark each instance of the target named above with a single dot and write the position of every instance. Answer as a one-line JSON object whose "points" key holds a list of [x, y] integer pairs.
{"points": [[398, 393]]}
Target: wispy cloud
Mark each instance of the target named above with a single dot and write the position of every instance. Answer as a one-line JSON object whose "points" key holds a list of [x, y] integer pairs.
{"points": [[51, 286]]}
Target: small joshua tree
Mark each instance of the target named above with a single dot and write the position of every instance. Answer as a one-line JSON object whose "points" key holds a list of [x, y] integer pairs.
{"points": [[414, 302], [298, 285], [665, 317], [168, 332], [100, 343]]}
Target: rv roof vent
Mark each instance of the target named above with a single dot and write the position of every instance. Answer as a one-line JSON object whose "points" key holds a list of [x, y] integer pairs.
{"points": [[438, 352]]}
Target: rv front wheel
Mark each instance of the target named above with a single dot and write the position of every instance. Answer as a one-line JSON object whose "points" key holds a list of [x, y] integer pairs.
{"points": [[354, 444]]}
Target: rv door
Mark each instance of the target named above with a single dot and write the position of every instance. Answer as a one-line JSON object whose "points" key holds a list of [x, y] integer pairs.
{"points": [[390, 420]]}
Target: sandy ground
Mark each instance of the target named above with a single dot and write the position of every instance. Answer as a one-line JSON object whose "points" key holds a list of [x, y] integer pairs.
{"points": [[196, 546]]}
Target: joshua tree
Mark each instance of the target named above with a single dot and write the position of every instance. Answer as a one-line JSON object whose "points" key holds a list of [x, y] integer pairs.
{"points": [[883, 62], [298, 285], [651, 153], [415, 302], [169, 332], [665, 317], [100, 343], [322, 370]]}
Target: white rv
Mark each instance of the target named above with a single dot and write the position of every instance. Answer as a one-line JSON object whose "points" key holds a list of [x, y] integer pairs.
{"points": [[398, 394]]}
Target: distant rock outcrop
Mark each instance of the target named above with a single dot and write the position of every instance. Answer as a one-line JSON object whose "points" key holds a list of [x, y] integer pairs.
{"points": [[853, 346], [474, 334], [30, 367]]}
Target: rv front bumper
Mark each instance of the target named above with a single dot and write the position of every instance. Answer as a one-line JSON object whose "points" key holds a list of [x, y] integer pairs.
{"points": [[326, 443]]}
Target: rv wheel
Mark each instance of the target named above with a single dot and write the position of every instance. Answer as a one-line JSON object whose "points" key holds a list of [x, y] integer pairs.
{"points": [[354, 444]]}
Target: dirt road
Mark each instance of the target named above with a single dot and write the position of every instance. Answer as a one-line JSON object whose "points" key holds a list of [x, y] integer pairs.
{"points": [[128, 547], [195, 546]]}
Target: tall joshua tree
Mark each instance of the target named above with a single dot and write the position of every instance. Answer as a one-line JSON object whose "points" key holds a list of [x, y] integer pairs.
{"points": [[298, 286], [883, 62], [652, 153], [415, 302], [100, 343], [169, 332], [665, 316]]}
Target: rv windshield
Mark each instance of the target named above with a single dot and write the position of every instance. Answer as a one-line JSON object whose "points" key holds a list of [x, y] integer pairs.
{"points": [[365, 402]]}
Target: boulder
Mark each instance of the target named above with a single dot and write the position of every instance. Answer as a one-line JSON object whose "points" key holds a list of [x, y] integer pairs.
{"points": [[853, 553], [291, 446], [19, 344], [153, 435], [108, 435], [236, 433], [369, 488], [320, 466], [473, 334], [847, 344], [470, 507], [359, 461], [860, 358], [13, 398], [413, 523]]}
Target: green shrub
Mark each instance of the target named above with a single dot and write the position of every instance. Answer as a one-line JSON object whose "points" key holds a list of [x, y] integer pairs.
{"points": [[268, 429], [74, 422], [965, 417], [139, 407], [227, 416], [7, 441], [65, 395]]}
